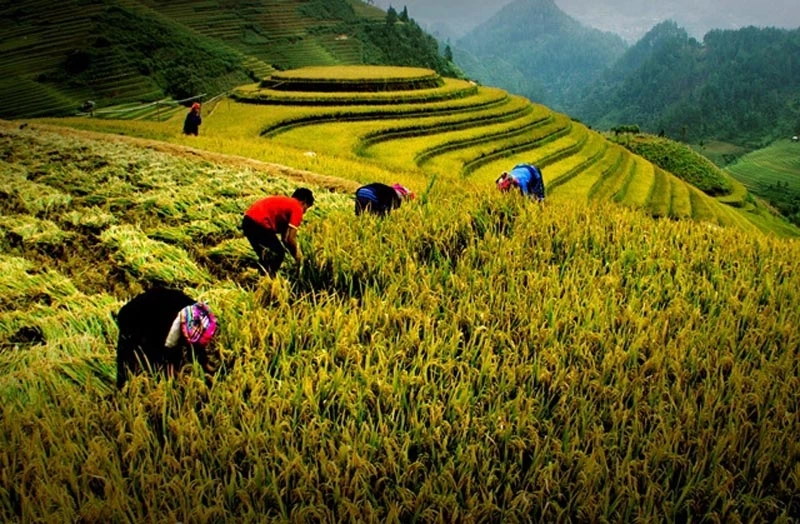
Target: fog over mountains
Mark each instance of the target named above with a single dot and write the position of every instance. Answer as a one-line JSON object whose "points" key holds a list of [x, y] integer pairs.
{"points": [[452, 19]]}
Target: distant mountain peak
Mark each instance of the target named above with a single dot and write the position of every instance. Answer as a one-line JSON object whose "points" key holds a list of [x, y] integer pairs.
{"points": [[546, 46]]}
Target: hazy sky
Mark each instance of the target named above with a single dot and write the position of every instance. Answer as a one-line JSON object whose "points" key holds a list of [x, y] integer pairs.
{"points": [[629, 18]]}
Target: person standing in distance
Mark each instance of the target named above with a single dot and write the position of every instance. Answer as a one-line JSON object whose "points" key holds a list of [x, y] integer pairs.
{"points": [[379, 199], [526, 177], [270, 225], [192, 123]]}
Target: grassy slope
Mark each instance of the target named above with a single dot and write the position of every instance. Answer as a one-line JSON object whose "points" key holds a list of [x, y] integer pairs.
{"points": [[753, 172], [779, 162], [112, 53], [721, 153], [439, 372], [55, 57], [773, 173], [679, 160]]}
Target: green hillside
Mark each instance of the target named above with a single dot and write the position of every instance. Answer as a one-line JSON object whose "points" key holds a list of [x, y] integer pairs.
{"points": [[533, 48], [773, 173], [120, 53], [474, 357], [679, 160], [737, 86]]}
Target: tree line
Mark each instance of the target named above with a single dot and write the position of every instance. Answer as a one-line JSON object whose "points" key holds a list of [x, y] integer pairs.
{"points": [[740, 86]]}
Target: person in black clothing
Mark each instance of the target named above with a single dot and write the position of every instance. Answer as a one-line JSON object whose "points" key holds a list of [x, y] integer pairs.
{"points": [[379, 199], [160, 330], [193, 120]]}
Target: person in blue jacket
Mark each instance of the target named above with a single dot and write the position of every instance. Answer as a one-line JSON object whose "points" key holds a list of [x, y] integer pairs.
{"points": [[526, 177], [379, 198]]}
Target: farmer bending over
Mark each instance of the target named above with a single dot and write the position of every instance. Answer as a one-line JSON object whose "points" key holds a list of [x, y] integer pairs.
{"points": [[526, 177], [276, 218], [379, 199], [161, 330]]}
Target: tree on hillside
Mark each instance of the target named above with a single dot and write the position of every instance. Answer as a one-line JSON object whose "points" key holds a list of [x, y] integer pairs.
{"points": [[391, 16], [404, 14], [738, 86], [448, 53], [405, 44]]}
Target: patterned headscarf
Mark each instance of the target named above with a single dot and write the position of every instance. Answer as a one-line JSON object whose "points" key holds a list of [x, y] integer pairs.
{"points": [[505, 181], [198, 324], [403, 192]]}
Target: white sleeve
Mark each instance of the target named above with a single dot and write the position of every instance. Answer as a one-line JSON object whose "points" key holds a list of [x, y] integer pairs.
{"points": [[174, 333]]}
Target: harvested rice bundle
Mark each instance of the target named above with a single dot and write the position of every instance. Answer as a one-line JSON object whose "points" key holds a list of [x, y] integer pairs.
{"points": [[91, 219], [235, 249], [31, 231], [33, 198], [151, 260], [21, 284]]}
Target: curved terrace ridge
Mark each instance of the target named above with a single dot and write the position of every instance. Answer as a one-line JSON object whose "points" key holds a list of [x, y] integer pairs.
{"points": [[359, 79]]}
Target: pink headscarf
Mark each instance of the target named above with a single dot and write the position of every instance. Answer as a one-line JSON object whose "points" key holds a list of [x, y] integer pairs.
{"points": [[198, 324], [504, 182], [403, 192]]}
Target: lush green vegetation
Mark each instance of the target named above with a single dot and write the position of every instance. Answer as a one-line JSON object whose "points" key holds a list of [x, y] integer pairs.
{"points": [[679, 160], [113, 54], [401, 41], [177, 61], [534, 49], [473, 358], [773, 173], [721, 153], [55, 58], [737, 86]]}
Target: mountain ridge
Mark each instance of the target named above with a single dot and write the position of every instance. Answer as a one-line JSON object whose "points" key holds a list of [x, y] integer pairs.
{"points": [[738, 86], [547, 46]]}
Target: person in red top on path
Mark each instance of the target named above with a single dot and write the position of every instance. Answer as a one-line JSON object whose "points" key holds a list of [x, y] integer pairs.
{"points": [[272, 220]]}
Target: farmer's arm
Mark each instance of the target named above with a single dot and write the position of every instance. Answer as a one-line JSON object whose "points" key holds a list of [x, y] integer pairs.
{"points": [[124, 356], [290, 240]]}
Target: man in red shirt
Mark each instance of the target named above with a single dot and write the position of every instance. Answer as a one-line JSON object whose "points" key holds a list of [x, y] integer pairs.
{"points": [[276, 218]]}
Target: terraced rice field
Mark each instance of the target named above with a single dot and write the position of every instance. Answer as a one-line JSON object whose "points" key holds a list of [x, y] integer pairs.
{"points": [[464, 132], [38, 37], [474, 357], [777, 163], [283, 36], [476, 134]]}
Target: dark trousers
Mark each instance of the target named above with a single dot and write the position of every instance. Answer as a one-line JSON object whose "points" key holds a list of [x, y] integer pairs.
{"points": [[365, 205], [266, 244]]}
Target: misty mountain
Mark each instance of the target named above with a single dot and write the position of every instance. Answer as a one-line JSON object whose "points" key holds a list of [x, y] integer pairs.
{"points": [[739, 85], [533, 48], [631, 19], [513, 80], [447, 19]]}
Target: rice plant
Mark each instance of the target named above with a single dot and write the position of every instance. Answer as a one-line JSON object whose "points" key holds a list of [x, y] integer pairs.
{"points": [[472, 358]]}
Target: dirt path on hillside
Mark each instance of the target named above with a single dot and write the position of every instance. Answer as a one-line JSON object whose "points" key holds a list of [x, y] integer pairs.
{"points": [[335, 184]]}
